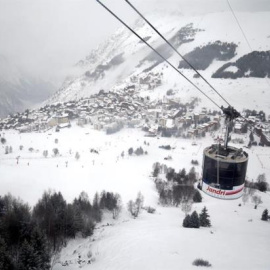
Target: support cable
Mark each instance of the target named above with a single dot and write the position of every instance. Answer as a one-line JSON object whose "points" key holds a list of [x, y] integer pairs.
{"points": [[239, 25]]}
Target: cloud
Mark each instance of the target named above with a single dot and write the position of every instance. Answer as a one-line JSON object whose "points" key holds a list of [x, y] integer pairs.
{"points": [[46, 37]]}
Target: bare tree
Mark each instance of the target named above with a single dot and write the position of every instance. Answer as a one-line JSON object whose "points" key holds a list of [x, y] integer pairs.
{"points": [[77, 156], [55, 151], [186, 206], [245, 196], [135, 207], [45, 153], [256, 200], [118, 206]]}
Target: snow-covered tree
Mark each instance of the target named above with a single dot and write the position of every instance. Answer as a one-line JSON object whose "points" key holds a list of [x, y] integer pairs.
{"points": [[186, 221], [139, 200], [256, 200], [265, 216], [139, 151], [261, 183], [55, 151], [156, 169], [204, 218], [192, 175], [5, 260], [135, 207], [45, 153], [245, 196], [194, 220], [197, 197], [96, 208], [77, 156], [186, 206]]}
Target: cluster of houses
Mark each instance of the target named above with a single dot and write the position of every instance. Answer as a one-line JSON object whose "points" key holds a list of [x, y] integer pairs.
{"points": [[255, 125], [101, 110], [148, 80], [112, 110]]}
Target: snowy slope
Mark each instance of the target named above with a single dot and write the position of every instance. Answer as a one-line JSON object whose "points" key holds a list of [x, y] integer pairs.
{"points": [[152, 241], [219, 25], [93, 172], [237, 240]]}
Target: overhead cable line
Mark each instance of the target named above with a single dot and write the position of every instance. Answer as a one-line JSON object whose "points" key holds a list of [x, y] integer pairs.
{"points": [[169, 63], [237, 21], [172, 47]]}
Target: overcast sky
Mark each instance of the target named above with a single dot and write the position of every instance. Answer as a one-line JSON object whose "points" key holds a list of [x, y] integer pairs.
{"points": [[45, 37]]}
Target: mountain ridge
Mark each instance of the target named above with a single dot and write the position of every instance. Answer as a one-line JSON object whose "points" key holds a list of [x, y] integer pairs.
{"points": [[137, 58]]}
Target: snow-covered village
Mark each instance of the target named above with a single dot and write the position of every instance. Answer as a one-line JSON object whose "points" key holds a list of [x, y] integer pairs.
{"points": [[151, 152]]}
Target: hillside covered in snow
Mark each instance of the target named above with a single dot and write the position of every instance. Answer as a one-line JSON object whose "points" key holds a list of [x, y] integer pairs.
{"points": [[151, 241], [211, 41]]}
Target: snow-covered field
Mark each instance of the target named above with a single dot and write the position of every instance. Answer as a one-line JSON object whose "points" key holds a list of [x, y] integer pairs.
{"points": [[238, 239]]}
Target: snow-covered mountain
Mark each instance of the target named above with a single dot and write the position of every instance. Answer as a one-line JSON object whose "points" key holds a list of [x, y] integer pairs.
{"points": [[18, 90], [212, 41]]}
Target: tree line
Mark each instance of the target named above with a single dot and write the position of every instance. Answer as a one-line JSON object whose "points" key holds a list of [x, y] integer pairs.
{"points": [[29, 237], [178, 188]]}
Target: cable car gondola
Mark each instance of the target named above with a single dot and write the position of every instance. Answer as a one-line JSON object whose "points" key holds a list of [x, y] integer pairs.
{"points": [[224, 171], [224, 167]]}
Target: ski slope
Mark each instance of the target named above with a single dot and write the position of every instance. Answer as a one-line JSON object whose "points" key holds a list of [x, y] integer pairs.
{"points": [[238, 238]]}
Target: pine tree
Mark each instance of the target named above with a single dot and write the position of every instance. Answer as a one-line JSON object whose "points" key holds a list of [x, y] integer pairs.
{"points": [[40, 246], [130, 151], [194, 220], [186, 221], [192, 175], [265, 215], [204, 218], [183, 173], [5, 261], [96, 208], [197, 197], [28, 257]]}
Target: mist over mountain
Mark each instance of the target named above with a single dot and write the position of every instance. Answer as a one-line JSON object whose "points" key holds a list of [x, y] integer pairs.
{"points": [[32, 68], [19, 90]]}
